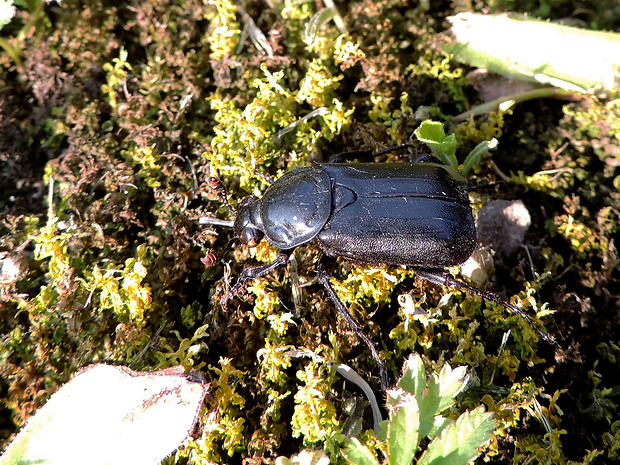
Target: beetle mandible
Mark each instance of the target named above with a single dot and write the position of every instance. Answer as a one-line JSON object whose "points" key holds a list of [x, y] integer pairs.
{"points": [[416, 214]]}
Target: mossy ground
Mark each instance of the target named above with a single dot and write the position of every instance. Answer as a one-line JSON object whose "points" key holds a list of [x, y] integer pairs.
{"points": [[112, 117]]}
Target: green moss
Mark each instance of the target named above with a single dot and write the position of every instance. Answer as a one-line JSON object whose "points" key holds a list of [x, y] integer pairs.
{"points": [[315, 417], [224, 30], [474, 132], [228, 432], [440, 68], [245, 138], [116, 74], [368, 286], [595, 125], [123, 291], [147, 159]]}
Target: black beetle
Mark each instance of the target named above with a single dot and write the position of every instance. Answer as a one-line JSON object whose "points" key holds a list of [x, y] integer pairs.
{"points": [[415, 214]]}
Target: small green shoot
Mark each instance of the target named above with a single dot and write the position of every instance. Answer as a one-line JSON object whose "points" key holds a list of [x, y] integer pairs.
{"points": [[444, 147], [418, 410], [479, 150]]}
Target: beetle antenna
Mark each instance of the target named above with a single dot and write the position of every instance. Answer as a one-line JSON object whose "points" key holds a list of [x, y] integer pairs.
{"points": [[446, 279], [216, 184], [353, 325]]}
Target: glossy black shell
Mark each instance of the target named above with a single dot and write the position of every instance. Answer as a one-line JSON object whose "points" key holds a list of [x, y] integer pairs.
{"points": [[293, 209], [416, 214], [403, 214]]}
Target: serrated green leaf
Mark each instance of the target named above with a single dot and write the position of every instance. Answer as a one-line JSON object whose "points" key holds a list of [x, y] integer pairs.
{"points": [[358, 454], [451, 384], [430, 132], [440, 394], [413, 379], [433, 395], [459, 443], [403, 437], [439, 423], [382, 435], [429, 406]]}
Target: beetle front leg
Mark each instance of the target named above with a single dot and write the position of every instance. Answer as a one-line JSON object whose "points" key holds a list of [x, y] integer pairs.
{"points": [[324, 278], [250, 274], [443, 278]]}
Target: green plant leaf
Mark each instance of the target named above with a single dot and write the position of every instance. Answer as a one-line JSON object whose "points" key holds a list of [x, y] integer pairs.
{"points": [[429, 407], [460, 441], [439, 423], [111, 415], [443, 147], [433, 396], [451, 384], [571, 58], [414, 382], [413, 379], [358, 454], [480, 149], [403, 436], [7, 11]]}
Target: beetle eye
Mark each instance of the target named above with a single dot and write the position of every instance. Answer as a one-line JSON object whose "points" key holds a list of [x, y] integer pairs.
{"points": [[250, 237]]}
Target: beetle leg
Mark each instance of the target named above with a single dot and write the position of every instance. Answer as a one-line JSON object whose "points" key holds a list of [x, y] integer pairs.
{"points": [[250, 274], [346, 156], [353, 325], [446, 279], [426, 158], [369, 155], [393, 149]]}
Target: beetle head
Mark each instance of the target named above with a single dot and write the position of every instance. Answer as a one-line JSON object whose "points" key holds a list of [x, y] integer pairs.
{"points": [[244, 228]]}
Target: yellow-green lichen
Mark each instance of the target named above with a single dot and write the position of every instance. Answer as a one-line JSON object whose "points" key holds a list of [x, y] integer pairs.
{"points": [[441, 69], [583, 239], [318, 85], [475, 132], [369, 285], [148, 159]]}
